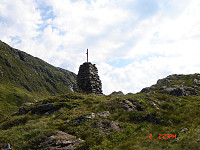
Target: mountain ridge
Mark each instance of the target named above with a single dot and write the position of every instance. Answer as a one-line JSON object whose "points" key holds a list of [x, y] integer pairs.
{"points": [[32, 76]]}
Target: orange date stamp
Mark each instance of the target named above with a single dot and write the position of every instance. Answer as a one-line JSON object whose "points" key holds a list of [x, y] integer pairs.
{"points": [[164, 136]]}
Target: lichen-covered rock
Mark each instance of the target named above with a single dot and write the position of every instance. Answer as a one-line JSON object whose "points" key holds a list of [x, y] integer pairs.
{"points": [[61, 141], [88, 79], [103, 114], [127, 105]]}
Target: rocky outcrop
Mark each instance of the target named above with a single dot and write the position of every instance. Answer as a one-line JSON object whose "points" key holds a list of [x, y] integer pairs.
{"points": [[88, 80], [146, 89], [61, 141], [176, 85], [176, 90], [117, 93], [127, 105]]}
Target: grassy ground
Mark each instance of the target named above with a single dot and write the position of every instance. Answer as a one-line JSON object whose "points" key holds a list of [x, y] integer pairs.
{"points": [[174, 114]]}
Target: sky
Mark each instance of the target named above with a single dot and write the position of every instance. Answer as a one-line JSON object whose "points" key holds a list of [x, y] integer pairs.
{"points": [[132, 42]]}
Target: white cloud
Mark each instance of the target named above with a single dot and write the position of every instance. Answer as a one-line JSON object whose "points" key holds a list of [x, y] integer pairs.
{"points": [[149, 41]]}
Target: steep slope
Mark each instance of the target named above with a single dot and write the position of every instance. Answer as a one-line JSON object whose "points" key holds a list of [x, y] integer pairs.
{"points": [[25, 78], [142, 121]]}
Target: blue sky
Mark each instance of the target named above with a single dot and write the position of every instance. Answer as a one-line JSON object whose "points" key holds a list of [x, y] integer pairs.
{"points": [[133, 42]]}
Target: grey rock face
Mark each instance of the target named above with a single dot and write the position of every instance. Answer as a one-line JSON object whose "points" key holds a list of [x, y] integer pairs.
{"points": [[175, 91], [88, 80], [61, 141]]}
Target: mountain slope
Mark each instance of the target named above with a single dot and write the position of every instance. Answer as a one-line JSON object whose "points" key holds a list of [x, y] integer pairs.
{"points": [[177, 85], [147, 120], [25, 78]]}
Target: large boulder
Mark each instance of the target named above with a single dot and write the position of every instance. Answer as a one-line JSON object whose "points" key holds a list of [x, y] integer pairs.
{"points": [[43, 109], [61, 141], [174, 91]]}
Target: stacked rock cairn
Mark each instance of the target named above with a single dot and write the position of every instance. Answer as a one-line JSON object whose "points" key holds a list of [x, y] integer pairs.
{"points": [[88, 79]]}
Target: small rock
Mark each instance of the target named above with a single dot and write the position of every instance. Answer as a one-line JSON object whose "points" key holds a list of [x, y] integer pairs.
{"points": [[155, 105], [190, 90], [103, 114], [115, 126], [103, 125], [197, 130], [184, 130], [6, 147], [61, 140], [197, 81], [90, 116], [180, 100]]}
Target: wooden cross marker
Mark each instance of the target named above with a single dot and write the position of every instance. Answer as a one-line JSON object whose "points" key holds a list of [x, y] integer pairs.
{"points": [[87, 55]]}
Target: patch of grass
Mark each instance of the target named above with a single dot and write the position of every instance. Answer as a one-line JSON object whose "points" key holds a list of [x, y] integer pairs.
{"points": [[28, 131]]}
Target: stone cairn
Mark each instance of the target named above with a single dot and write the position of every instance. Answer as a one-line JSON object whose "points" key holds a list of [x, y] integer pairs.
{"points": [[88, 80]]}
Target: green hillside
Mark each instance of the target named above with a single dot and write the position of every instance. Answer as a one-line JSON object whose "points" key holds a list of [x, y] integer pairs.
{"points": [[24, 78], [164, 116]]}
